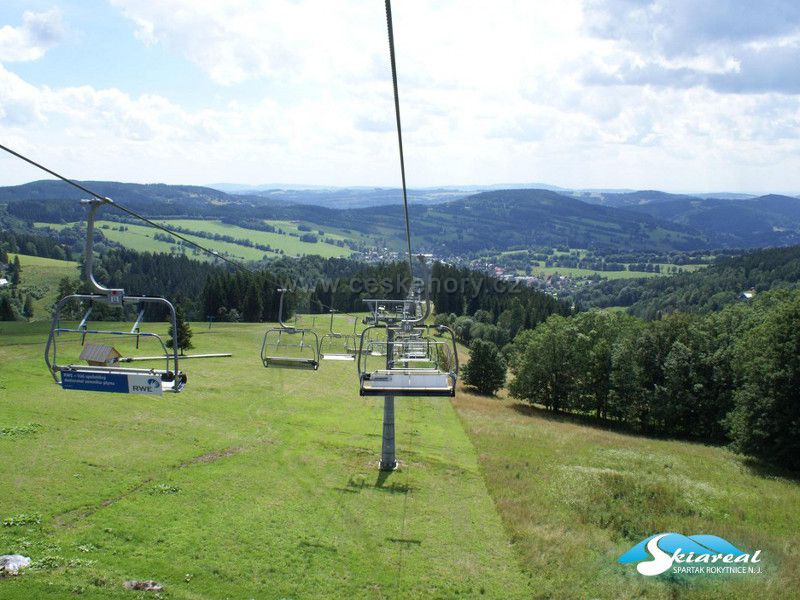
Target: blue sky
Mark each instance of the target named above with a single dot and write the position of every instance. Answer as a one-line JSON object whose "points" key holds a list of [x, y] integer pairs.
{"points": [[676, 95]]}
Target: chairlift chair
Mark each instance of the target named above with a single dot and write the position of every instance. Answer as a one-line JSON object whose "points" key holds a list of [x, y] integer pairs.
{"points": [[412, 348], [290, 347], [415, 363], [338, 346], [103, 374], [372, 345]]}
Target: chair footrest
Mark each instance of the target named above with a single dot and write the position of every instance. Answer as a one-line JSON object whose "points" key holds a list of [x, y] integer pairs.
{"points": [[289, 362], [407, 382]]}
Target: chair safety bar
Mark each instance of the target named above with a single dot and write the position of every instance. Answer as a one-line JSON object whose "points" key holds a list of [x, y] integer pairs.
{"points": [[114, 379]]}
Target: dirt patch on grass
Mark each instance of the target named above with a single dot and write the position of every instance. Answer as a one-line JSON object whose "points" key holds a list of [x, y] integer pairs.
{"points": [[212, 456], [68, 518]]}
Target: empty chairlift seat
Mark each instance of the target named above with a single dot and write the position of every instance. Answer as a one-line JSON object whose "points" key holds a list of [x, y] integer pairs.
{"points": [[290, 347], [338, 346], [408, 363], [103, 372]]}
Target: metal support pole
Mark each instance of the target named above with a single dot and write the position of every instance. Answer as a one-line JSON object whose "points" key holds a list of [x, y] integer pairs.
{"points": [[388, 458]]}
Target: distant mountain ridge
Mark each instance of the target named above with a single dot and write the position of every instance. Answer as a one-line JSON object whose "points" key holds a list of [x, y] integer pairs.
{"points": [[770, 220], [450, 221]]}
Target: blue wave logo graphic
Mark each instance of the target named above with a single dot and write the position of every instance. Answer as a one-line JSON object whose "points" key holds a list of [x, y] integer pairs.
{"points": [[656, 554], [153, 383]]}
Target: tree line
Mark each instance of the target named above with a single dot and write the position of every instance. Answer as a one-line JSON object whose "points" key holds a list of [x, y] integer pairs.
{"points": [[728, 376], [315, 286], [14, 304], [478, 306], [33, 245], [702, 291]]}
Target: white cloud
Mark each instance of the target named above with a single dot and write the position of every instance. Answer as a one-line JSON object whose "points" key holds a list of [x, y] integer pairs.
{"points": [[659, 94], [19, 101], [38, 33], [725, 45], [241, 40]]}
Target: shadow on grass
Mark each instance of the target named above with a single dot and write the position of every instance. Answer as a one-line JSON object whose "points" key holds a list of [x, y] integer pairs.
{"points": [[356, 484], [476, 392], [756, 466], [531, 410], [393, 487], [586, 420], [409, 541], [317, 546], [767, 471]]}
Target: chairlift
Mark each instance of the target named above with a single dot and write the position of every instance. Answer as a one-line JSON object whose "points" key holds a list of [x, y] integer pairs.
{"points": [[412, 347], [103, 373], [374, 346], [288, 346], [415, 362], [338, 346]]}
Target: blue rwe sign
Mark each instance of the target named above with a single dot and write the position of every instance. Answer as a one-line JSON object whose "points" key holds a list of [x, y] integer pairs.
{"points": [[101, 381]]}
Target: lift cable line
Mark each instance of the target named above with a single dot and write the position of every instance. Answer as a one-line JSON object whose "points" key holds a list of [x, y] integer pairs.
{"points": [[109, 201], [399, 135], [414, 362]]}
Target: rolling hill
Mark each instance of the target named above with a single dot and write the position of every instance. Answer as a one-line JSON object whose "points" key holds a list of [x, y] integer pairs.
{"points": [[493, 220], [521, 218], [770, 220]]}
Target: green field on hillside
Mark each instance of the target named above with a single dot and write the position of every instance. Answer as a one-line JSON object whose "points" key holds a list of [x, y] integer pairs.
{"points": [[262, 483], [574, 272], [502, 259], [141, 238], [574, 497], [40, 277], [330, 232], [289, 244], [581, 273], [252, 483]]}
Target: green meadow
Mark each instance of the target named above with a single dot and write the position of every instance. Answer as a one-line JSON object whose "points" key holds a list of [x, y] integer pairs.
{"points": [[574, 497], [40, 277], [251, 483], [263, 483], [141, 238], [574, 272], [289, 244], [580, 273]]}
